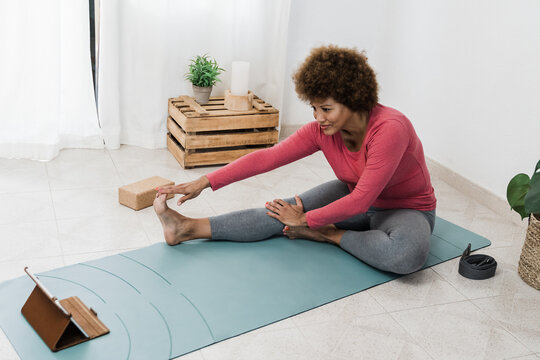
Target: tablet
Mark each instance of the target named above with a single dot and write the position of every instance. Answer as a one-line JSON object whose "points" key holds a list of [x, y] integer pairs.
{"points": [[54, 299]]}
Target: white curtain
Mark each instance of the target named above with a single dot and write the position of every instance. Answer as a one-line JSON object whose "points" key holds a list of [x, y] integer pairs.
{"points": [[145, 47], [46, 92]]}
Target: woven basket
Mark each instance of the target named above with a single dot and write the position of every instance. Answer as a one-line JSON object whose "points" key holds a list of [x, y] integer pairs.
{"points": [[529, 262]]}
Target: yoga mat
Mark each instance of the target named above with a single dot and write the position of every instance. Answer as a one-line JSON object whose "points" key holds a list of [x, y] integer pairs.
{"points": [[161, 302]]}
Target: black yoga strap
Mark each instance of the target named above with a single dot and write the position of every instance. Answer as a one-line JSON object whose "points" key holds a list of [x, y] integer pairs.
{"points": [[478, 266]]}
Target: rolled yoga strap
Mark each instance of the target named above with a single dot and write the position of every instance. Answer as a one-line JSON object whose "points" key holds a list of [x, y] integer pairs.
{"points": [[478, 266]]}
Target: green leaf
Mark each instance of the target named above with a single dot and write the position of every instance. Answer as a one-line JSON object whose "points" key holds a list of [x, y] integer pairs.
{"points": [[516, 191], [203, 71], [532, 198]]}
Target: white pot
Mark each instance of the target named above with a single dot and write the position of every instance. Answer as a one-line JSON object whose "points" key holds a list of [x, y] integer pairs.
{"points": [[202, 94]]}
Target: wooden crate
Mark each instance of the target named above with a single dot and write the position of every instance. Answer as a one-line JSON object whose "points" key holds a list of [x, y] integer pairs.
{"points": [[210, 134]]}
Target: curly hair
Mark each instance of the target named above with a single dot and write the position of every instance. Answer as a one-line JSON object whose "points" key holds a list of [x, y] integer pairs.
{"points": [[340, 73]]}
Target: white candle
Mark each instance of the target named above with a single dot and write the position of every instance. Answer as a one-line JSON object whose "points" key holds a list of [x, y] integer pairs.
{"points": [[240, 78]]}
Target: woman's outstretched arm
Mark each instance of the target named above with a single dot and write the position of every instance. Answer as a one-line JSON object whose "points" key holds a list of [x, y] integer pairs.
{"points": [[299, 145]]}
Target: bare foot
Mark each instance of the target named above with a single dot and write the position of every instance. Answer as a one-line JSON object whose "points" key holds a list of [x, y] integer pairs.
{"points": [[328, 233], [176, 227]]}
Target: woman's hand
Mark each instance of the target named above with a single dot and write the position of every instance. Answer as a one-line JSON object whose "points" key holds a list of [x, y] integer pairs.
{"points": [[190, 190], [288, 214]]}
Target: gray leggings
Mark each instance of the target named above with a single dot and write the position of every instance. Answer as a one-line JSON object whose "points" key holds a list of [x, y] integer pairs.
{"points": [[394, 240]]}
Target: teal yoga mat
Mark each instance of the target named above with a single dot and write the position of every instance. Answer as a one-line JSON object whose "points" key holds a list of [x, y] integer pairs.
{"points": [[161, 302]]}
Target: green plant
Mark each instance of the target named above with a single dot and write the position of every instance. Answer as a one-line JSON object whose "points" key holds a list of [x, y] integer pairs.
{"points": [[203, 71], [523, 193]]}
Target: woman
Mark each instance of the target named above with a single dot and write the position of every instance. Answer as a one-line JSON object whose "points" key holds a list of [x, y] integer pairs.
{"points": [[382, 207]]}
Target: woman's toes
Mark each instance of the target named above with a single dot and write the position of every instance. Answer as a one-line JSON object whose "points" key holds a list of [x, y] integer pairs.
{"points": [[160, 204]]}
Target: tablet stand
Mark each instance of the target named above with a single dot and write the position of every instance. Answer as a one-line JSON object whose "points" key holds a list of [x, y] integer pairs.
{"points": [[58, 329]]}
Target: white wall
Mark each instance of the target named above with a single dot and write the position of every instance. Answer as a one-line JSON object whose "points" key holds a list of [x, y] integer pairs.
{"points": [[466, 72]]}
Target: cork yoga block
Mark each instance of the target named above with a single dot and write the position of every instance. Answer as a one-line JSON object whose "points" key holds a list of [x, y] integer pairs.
{"points": [[141, 194]]}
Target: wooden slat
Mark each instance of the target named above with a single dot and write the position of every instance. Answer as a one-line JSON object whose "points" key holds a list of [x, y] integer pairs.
{"points": [[194, 105], [229, 123], [216, 157], [231, 139], [257, 105], [210, 108], [228, 113], [193, 158], [177, 152], [179, 101], [176, 131], [82, 315]]}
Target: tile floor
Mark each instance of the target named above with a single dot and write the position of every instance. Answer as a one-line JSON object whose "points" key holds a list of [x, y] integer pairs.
{"points": [[66, 211]]}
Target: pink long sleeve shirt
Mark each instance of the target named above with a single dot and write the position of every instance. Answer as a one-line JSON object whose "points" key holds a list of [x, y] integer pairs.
{"points": [[389, 171]]}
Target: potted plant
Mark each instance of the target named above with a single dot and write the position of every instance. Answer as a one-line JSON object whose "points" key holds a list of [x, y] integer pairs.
{"points": [[523, 194], [203, 74]]}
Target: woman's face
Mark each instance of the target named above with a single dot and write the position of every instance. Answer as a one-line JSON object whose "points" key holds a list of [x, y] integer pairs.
{"points": [[331, 115]]}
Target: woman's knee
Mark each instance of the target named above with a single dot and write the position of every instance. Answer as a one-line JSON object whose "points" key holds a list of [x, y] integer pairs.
{"points": [[409, 236], [410, 264], [410, 254]]}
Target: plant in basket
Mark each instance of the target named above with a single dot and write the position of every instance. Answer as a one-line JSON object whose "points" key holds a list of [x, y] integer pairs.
{"points": [[203, 74], [523, 194]]}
